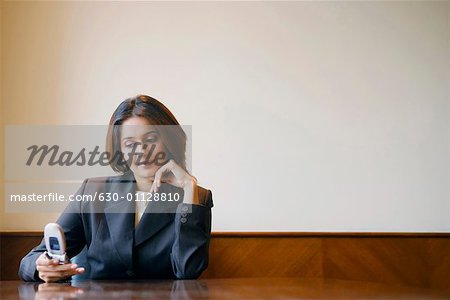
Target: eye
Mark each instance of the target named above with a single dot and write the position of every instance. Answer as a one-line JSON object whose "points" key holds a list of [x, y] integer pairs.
{"points": [[151, 140], [129, 145]]}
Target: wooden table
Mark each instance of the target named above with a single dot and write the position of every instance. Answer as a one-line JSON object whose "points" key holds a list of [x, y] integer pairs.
{"points": [[233, 288]]}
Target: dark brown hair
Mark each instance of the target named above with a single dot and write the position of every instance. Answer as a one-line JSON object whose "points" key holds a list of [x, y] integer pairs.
{"points": [[173, 137]]}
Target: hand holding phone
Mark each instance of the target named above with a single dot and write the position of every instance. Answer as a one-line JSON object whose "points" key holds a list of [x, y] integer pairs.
{"points": [[53, 265]]}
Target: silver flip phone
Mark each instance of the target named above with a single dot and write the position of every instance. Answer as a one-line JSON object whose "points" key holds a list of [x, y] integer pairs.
{"points": [[55, 242]]}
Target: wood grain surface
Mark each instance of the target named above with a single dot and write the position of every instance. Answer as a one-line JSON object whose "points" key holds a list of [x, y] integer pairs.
{"points": [[421, 259]]}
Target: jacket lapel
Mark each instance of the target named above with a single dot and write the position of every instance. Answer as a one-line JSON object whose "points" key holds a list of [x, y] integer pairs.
{"points": [[120, 217], [157, 215]]}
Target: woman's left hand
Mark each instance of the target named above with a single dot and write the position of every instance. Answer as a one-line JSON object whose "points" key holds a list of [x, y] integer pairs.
{"points": [[173, 174]]}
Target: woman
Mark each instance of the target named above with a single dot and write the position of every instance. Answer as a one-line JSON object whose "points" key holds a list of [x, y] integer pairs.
{"points": [[126, 239]]}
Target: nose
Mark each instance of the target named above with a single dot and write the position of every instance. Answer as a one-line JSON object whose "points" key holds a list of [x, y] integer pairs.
{"points": [[146, 150], [138, 147]]}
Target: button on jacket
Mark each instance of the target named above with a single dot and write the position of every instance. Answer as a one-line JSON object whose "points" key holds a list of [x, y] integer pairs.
{"points": [[172, 244]]}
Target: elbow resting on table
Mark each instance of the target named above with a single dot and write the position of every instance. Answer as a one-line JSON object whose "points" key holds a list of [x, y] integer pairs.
{"points": [[190, 271]]}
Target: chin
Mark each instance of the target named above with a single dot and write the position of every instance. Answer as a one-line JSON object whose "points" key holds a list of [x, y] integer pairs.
{"points": [[150, 174]]}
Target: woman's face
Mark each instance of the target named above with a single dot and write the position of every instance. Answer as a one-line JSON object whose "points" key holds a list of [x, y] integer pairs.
{"points": [[142, 147]]}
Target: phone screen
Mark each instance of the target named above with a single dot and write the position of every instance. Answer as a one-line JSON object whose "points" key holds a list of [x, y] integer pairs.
{"points": [[54, 244]]}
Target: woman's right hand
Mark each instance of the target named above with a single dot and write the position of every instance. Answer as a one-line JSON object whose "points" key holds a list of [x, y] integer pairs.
{"points": [[50, 270]]}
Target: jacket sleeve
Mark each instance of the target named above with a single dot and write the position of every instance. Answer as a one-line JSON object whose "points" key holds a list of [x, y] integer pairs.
{"points": [[72, 225], [190, 251]]}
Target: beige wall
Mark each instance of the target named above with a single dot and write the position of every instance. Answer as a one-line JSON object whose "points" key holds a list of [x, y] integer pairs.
{"points": [[307, 116]]}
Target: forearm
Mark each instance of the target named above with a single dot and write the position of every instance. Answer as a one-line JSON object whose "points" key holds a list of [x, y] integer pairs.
{"points": [[190, 251], [27, 268]]}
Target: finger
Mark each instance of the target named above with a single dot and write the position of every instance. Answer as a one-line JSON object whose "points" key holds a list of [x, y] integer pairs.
{"points": [[167, 168], [179, 174], [47, 277], [165, 172], [156, 180], [170, 179], [44, 261], [152, 187], [52, 268], [65, 267], [60, 274], [158, 175], [177, 170], [154, 184]]}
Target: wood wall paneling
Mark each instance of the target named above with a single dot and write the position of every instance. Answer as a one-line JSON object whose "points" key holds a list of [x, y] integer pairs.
{"points": [[14, 246], [421, 259]]}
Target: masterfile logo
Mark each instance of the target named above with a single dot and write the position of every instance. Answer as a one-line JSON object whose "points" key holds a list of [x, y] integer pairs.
{"points": [[41, 152], [45, 165]]}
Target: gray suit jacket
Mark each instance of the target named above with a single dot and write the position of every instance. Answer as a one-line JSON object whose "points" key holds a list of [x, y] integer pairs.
{"points": [[173, 244]]}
